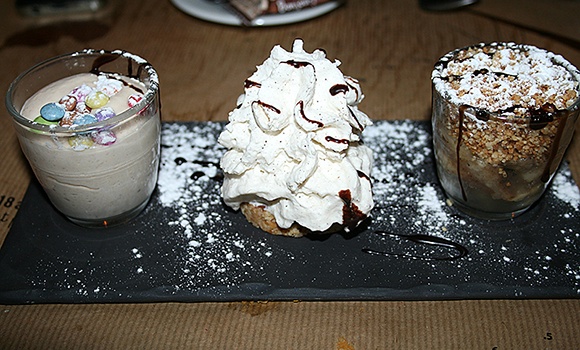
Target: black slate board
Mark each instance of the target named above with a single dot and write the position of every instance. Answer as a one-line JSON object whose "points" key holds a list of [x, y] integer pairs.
{"points": [[187, 246]]}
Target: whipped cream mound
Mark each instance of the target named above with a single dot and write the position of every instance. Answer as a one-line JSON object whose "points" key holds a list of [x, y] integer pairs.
{"points": [[508, 78], [294, 143]]}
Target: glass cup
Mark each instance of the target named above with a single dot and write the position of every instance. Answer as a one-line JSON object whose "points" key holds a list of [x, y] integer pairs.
{"points": [[97, 174], [494, 163]]}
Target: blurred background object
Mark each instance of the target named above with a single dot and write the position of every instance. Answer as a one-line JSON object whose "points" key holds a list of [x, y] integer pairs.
{"points": [[37, 8], [444, 5]]}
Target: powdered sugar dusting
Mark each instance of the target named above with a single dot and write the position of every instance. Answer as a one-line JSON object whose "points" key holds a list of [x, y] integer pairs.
{"points": [[504, 76], [565, 190], [410, 202], [189, 182]]}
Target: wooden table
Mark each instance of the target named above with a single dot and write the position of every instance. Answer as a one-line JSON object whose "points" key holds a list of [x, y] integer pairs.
{"points": [[391, 47]]}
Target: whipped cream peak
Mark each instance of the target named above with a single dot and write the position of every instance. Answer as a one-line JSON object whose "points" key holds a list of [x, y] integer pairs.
{"points": [[294, 142]]}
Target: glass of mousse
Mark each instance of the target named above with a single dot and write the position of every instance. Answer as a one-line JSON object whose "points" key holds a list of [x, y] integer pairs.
{"points": [[89, 124], [503, 115]]}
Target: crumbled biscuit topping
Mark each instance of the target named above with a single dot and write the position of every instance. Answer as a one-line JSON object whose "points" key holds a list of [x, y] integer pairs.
{"points": [[516, 84], [507, 78]]}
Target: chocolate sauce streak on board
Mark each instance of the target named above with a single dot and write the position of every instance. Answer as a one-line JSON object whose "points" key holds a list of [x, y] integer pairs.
{"points": [[332, 139], [198, 174], [297, 64], [351, 214], [338, 88], [423, 240], [303, 115], [206, 163]]}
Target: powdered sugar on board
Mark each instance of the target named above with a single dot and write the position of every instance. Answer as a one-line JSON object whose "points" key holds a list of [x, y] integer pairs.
{"points": [[188, 246], [189, 185], [408, 200]]}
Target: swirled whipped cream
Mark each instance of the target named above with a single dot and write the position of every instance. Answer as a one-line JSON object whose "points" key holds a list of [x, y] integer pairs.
{"points": [[294, 143]]}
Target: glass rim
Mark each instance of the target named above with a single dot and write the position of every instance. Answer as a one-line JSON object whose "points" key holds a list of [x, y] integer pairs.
{"points": [[148, 97], [501, 115]]}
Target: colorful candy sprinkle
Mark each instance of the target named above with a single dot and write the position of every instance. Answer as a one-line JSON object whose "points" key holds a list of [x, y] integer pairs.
{"points": [[52, 112], [96, 99], [109, 86], [68, 119], [104, 113], [104, 137], [85, 105], [81, 92], [41, 120], [85, 119], [134, 99], [80, 142], [69, 102]]}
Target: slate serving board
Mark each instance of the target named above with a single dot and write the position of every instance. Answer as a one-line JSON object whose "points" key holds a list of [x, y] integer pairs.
{"points": [[187, 246]]}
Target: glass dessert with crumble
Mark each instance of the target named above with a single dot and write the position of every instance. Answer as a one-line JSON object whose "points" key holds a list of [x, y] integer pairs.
{"points": [[503, 116]]}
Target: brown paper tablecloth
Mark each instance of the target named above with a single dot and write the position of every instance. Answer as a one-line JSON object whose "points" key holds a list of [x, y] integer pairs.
{"points": [[390, 46]]}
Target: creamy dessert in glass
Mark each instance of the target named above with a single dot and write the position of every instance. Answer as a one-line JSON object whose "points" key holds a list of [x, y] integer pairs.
{"points": [[296, 163], [89, 125], [503, 115]]}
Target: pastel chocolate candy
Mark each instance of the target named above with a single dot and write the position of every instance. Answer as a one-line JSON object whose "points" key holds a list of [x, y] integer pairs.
{"points": [[52, 112]]}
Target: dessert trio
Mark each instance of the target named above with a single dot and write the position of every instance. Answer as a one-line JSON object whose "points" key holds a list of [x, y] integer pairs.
{"points": [[503, 115]]}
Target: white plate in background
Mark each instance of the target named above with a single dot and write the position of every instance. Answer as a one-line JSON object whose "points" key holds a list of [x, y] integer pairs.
{"points": [[212, 12]]}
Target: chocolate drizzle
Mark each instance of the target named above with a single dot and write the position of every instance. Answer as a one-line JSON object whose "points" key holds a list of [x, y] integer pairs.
{"points": [[462, 109], [250, 83], [199, 173], [360, 126], [552, 158], [105, 58], [484, 71], [363, 175], [351, 214], [335, 140], [458, 250], [297, 64], [268, 106], [338, 88], [303, 115], [542, 116]]}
